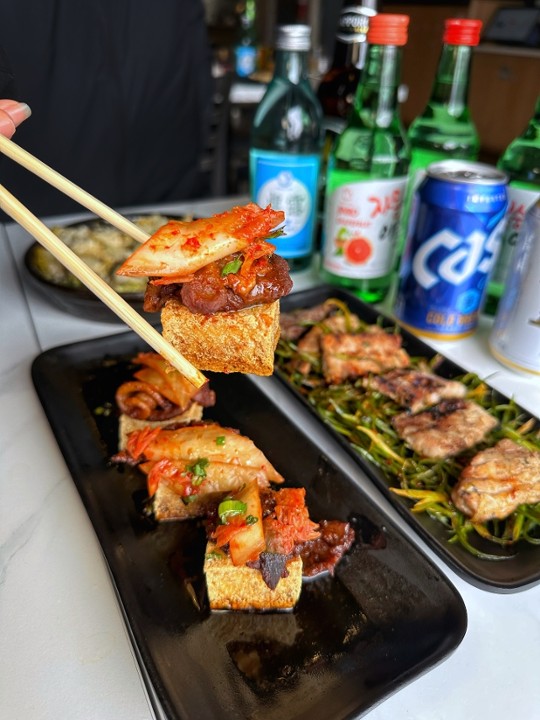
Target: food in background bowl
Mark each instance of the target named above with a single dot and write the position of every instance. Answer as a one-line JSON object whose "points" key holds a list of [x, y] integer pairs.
{"points": [[103, 248]]}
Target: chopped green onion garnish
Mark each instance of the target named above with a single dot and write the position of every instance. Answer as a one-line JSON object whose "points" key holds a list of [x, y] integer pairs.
{"points": [[198, 470], [220, 440], [233, 266], [230, 508]]}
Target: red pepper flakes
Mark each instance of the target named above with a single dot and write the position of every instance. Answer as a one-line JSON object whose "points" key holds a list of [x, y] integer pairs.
{"points": [[192, 243]]}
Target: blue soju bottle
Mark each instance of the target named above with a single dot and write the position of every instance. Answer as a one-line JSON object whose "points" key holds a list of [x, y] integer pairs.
{"points": [[285, 150]]}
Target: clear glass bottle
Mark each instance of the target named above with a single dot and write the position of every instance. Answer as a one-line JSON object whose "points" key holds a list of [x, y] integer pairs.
{"points": [[521, 162], [367, 172], [285, 148], [445, 128]]}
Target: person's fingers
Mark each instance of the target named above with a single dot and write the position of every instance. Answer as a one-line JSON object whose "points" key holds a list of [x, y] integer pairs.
{"points": [[12, 113], [7, 126]]}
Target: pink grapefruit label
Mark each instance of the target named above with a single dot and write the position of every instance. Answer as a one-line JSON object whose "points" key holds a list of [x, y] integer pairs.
{"points": [[361, 227]]}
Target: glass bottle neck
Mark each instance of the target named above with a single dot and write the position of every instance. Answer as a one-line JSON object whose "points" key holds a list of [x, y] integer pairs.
{"points": [[451, 86], [376, 95], [348, 55], [291, 65]]}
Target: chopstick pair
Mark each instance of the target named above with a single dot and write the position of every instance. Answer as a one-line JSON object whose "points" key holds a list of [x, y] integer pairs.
{"points": [[18, 212]]}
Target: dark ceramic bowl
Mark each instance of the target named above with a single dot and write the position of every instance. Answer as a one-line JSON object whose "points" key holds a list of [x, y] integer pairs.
{"points": [[77, 300]]}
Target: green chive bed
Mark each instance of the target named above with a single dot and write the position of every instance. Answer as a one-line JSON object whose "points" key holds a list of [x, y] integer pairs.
{"points": [[363, 416]]}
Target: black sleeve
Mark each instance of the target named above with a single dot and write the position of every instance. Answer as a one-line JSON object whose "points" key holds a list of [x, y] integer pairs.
{"points": [[120, 94], [7, 81]]}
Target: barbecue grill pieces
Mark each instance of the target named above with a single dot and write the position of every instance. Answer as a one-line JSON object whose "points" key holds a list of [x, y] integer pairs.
{"points": [[437, 422]]}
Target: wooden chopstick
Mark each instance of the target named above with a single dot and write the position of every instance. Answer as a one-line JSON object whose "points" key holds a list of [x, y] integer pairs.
{"points": [[31, 163], [98, 286]]}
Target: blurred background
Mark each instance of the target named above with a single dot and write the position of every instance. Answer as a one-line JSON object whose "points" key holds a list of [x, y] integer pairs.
{"points": [[505, 80]]}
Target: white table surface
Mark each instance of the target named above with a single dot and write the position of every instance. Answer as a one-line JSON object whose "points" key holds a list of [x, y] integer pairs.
{"points": [[64, 648]]}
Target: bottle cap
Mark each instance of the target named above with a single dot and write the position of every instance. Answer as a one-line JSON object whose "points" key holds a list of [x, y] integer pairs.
{"points": [[388, 29], [354, 22], [461, 31], [293, 37]]}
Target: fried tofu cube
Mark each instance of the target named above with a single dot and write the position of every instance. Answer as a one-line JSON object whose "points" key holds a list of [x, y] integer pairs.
{"points": [[241, 587]]}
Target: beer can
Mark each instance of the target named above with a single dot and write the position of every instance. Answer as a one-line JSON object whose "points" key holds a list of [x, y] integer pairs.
{"points": [[452, 244], [515, 337]]}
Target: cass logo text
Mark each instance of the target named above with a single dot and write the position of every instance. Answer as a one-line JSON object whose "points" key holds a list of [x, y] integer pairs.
{"points": [[466, 256]]}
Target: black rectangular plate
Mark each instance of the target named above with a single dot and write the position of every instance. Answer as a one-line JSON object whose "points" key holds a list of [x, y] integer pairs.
{"points": [[520, 568], [386, 617]]}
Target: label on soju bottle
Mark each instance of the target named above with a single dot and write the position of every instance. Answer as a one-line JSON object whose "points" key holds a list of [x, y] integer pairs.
{"points": [[246, 60], [520, 198], [288, 183], [362, 225]]}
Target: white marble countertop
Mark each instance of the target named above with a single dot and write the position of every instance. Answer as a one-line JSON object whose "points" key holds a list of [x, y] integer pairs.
{"points": [[64, 649]]}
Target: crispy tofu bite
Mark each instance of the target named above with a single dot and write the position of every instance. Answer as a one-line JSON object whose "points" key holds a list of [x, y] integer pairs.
{"points": [[190, 467], [217, 282], [261, 546]]}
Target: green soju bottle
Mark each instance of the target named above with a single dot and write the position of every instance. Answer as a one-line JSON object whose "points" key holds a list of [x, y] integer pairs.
{"points": [[445, 128], [285, 151], [521, 162], [367, 172]]}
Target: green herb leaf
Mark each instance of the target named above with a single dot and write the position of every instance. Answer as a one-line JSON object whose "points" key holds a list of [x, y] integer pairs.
{"points": [[220, 440], [233, 266], [198, 470]]}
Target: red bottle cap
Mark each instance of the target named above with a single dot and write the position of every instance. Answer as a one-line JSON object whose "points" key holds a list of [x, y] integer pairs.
{"points": [[388, 29], [459, 31]]}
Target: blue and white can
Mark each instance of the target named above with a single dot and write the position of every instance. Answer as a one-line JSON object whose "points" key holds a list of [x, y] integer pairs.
{"points": [[452, 245]]}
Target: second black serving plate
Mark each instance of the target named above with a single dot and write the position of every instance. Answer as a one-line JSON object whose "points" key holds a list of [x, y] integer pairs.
{"points": [[386, 617], [519, 566]]}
